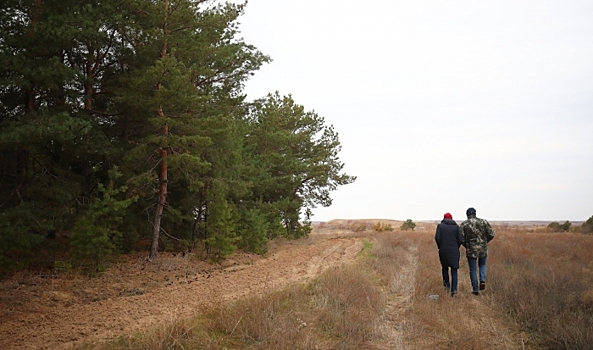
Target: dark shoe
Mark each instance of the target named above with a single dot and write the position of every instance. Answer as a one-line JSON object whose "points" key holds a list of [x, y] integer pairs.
{"points": [[482, 285], [476, 293], [453, 294]]}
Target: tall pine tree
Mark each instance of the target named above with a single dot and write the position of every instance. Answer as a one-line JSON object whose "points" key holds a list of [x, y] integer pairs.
{"points": [[294, 159], [181, 98]]}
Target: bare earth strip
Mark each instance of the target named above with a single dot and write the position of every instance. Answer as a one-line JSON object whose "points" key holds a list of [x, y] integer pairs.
{"points": [[399, 301], [53, 313]]}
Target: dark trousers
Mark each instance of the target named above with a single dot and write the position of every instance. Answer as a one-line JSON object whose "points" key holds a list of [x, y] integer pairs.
{"points": [[450, 282]]}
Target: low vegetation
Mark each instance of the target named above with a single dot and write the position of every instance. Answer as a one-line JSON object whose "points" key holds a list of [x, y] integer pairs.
{"points": [[557, 227], [539, 295], [340, 310], [587, 226], [544, 282], [408, 225], [381, 226], [439, 321]]}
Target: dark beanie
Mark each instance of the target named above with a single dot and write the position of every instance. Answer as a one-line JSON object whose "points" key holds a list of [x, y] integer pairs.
{"points": [[471, 212], [448, 216]]}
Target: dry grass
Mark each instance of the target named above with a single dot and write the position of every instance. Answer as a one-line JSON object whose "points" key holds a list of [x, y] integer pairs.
{"points": [[338, 311], [463, 322], [349, 226], [341, 309], [544, 281], [539, 296]]}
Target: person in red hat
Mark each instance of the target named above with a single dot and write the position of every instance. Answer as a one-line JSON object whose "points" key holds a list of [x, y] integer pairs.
{"points": [[448, 238]]}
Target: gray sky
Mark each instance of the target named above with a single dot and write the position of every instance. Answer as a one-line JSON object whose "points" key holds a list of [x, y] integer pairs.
{"points": [[441, 105]]}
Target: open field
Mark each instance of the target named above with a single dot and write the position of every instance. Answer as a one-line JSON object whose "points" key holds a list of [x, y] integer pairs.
{"points": [[345, 287]]}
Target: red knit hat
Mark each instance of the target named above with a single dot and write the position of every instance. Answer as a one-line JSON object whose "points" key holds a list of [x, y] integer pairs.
{"points": [[448, 216]]}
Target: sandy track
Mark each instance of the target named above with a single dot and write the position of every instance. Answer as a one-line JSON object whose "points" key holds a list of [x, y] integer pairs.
{"points": [[399, 295], [58, 313]]}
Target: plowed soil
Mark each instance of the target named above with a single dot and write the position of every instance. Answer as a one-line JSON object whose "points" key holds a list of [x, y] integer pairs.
{"points": [[61, 310]]}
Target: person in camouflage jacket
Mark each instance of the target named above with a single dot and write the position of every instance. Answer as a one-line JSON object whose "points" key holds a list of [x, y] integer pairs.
{"points": [[476, 234]]}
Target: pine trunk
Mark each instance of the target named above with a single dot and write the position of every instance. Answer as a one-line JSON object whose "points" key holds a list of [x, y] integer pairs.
{"points": [[160, 204], [162, 199]]}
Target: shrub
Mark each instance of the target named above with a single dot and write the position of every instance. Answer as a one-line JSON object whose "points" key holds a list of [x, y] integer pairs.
{"points": [[554, 226], [380, 227], [358, 226], [587, 227], [253, 229], [97, 235], [408, 225], [557, 227]]}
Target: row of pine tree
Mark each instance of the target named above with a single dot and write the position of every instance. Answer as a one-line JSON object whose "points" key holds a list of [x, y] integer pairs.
{"points": [[125, 121]]}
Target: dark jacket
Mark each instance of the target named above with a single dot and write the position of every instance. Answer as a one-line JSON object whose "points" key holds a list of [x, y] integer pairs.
{"points": [[449, 239]]}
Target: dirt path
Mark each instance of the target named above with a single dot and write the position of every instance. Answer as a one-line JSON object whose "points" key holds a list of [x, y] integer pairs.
{"points": [[399, 300], [59, 312]]}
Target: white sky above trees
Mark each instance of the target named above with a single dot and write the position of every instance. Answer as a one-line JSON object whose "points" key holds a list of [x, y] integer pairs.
{"points": [[441, 105]]}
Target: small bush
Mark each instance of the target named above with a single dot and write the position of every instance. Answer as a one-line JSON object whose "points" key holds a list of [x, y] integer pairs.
{"points": [[557, 227], [358, 226], [554, 226], [62, 266], [587, 227], [97, 236], [408, 225], [381, 227]]}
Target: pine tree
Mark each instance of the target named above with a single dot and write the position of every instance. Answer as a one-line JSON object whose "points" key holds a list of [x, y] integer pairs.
{"points": [[183, 101], [294, 158], [52, 149], [97, 235]]}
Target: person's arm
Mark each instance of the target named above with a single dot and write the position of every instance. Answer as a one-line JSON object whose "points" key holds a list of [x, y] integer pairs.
{"points": [[489, 232], [437, 237], [462, 235]]}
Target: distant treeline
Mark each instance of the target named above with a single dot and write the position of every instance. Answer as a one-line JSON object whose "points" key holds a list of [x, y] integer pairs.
{"points": [[125, 120]]}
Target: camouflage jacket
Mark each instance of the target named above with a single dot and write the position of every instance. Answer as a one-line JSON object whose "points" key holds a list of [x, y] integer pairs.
{"points": [[476, 234]]}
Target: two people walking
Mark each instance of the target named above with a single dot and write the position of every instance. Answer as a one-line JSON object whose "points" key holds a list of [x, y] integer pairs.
{"points": [[474, 234]]}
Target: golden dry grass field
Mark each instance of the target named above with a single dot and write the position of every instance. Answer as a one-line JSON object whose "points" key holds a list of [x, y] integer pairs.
{"points": [[353, 284]]}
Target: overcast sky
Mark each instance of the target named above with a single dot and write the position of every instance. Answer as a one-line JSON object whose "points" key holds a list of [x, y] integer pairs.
{"points": [[441, 105]]}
